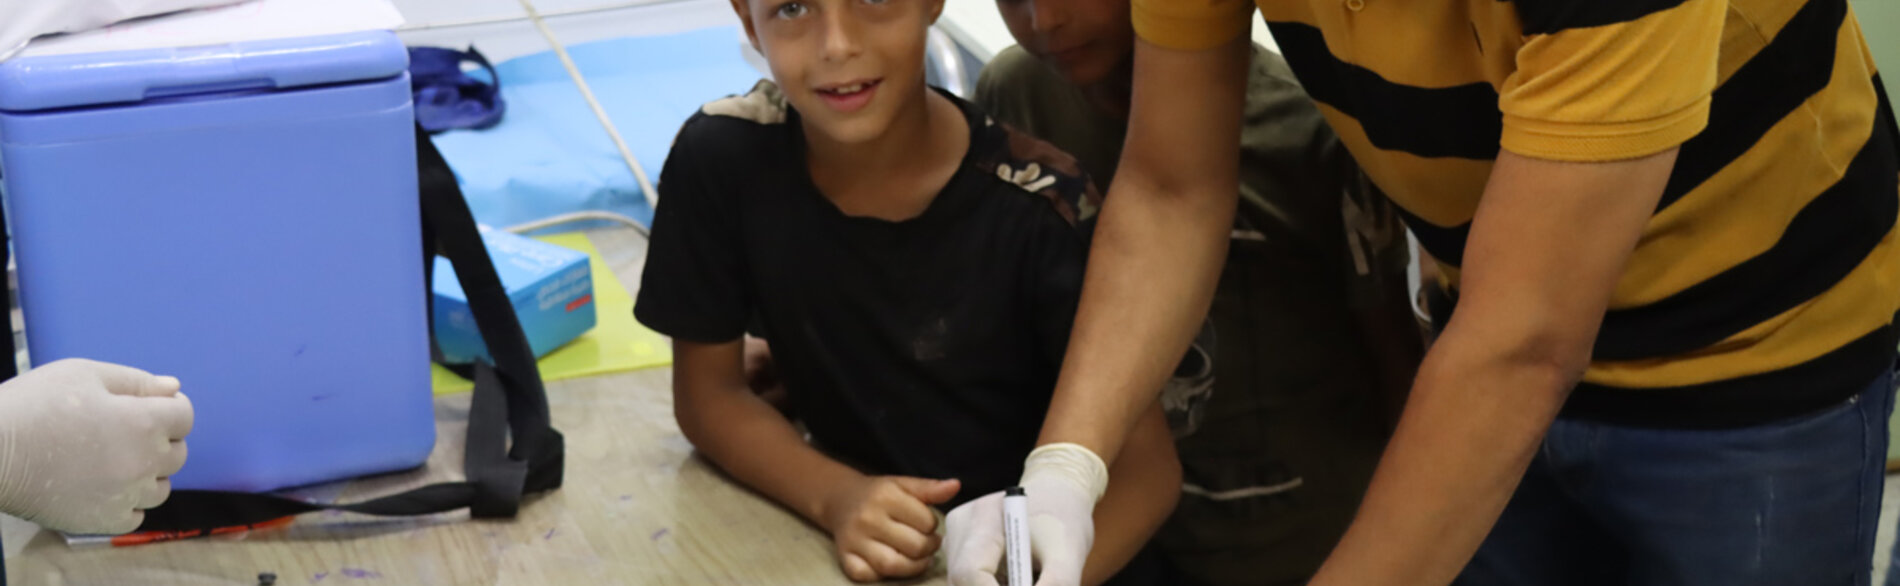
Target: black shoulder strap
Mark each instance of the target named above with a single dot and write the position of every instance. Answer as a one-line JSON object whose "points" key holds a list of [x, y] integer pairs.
{"points": [[509, 398], [9, 366]]}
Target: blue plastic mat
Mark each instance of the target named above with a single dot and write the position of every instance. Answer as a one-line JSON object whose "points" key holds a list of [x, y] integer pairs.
{"points": [[550, 155]]}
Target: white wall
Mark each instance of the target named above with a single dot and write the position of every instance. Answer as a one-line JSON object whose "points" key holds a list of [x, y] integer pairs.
{"points": [[976, 21], [979, 23], [1880, 23]]}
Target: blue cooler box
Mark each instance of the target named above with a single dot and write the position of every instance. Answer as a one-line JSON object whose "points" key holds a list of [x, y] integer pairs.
{"points": [[244, 217]]}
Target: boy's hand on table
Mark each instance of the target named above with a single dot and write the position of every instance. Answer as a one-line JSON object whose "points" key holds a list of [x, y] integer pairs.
{"points": [[884, 527]]}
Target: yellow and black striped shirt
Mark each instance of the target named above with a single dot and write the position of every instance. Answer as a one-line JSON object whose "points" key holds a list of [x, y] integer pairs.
{"points": [[1766, 282]]}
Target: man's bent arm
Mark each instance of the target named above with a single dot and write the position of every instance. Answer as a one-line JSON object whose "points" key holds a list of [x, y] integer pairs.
{"points": [[1547, 247]]}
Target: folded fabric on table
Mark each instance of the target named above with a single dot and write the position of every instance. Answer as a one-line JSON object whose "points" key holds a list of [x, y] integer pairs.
{"points": [[551, 156]]}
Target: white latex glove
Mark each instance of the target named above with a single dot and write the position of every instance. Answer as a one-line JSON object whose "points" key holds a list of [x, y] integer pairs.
{"points": [[1062, 483], [86, 447]]}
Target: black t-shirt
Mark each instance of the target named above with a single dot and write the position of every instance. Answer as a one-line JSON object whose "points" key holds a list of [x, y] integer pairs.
{"points": [[927, 347]]}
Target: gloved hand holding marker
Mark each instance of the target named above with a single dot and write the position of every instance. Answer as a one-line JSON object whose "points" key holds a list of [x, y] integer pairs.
{"points": [[1060, 486]]}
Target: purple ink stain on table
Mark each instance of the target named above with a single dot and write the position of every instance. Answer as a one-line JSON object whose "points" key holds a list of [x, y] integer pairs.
{"points": [[550, 535], [360, 574], [658, 534], [626, 497], [319, 577]]}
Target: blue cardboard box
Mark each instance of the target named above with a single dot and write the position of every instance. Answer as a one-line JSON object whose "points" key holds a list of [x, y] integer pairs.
{"points": [[551, 286]]}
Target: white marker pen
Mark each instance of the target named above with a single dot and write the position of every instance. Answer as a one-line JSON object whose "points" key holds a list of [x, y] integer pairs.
{"points": [[1016, 535]]}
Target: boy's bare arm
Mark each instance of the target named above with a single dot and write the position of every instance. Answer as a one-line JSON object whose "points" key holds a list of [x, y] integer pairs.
{"points": [[746, 436], [1146, 483], [882, 527]]}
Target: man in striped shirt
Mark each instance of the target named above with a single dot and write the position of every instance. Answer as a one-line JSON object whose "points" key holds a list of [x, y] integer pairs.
{"points": [[1667, 226]]}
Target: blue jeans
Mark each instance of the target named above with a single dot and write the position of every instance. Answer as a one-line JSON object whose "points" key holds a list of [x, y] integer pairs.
{"points": [[1790, 503]]}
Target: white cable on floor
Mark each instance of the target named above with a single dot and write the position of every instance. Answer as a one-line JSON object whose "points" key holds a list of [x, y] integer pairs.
{"points": [[577, 217], [573, 71]]}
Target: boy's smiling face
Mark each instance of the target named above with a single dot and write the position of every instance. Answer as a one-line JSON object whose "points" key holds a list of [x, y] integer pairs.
{"points": [[1084, 40], [848, 66]]}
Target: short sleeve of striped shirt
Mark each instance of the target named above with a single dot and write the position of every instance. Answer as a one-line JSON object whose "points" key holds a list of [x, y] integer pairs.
{"points": [[1606, 80], [1191, 24]]}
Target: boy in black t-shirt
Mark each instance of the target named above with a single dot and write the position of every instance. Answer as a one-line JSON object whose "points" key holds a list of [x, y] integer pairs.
{"points": [[917, 268]]}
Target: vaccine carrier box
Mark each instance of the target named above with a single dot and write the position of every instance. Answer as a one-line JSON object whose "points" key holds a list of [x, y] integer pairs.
{"points": [[243, 217]]}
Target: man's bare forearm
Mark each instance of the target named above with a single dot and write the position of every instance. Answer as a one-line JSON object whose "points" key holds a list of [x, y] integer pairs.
{"points": [[1472, 427], [1150, 281], [1159, 245]]}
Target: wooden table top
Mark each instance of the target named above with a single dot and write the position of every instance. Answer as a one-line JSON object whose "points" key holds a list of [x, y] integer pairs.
{"points": [[638, 507]]}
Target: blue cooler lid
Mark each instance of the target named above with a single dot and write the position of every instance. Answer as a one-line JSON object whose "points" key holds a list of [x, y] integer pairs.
{"points": [[121, 77]]}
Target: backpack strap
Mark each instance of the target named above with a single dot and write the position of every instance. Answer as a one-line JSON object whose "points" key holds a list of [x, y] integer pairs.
{"points": [[9, 365]]}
